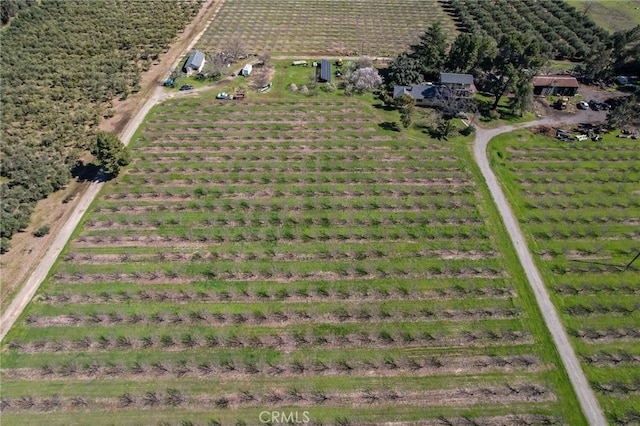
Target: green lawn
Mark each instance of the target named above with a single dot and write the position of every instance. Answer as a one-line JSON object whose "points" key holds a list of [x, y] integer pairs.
{"points": [[612, 15]]}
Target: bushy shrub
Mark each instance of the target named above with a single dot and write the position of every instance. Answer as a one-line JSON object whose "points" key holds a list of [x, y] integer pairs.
{"points": [[42, 231]]}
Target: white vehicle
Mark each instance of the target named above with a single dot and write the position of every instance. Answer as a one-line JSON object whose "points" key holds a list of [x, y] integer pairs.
{"points": [[581, 138], [582, 105]]}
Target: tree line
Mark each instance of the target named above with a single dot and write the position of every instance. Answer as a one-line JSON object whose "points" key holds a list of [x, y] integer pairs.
{"points": [[498, 66], [62, 64], [507, 64]]}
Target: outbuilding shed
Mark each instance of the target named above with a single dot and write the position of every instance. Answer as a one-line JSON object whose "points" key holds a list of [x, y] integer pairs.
{"points": [[557, 85], [324, 71], [194, 62]]}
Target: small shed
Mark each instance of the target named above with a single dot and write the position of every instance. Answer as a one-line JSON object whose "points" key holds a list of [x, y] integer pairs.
{"points": [[194, 62], [557, 85], [247, 70], [324, 71]]}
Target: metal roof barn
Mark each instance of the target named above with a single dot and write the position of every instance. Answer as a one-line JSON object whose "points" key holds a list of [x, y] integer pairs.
{"points": [[325, 70]]}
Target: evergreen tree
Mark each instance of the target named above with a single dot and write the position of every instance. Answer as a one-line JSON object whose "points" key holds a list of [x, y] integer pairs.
{"points": [[110, 153], [431, 51]]}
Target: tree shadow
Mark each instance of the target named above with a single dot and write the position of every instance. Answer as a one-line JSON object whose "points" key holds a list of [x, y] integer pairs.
{"points": [[390, 125], [384, 107], [88, 173]]}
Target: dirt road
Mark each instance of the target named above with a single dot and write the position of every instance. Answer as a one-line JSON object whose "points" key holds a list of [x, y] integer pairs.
{"points": [[588, 401]]}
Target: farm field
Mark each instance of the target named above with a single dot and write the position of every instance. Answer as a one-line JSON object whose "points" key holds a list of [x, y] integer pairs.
{"points": [[579, 206], [560, 28], [345, 27], [613, 15], [286, 253]]}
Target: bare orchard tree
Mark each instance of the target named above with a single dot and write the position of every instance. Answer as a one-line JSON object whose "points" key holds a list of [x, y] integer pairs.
{"points": [[214, 66], [363, 62], [449, 102], [265, 60], [234, 48]]}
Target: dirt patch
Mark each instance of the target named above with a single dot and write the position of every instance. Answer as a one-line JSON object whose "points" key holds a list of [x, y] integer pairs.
{"points": [[27, 250]]}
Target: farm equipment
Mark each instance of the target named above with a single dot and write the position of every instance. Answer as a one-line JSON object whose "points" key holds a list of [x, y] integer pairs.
{"points": [[563, 135], [562, 102], [265, 88], [229, 97]]}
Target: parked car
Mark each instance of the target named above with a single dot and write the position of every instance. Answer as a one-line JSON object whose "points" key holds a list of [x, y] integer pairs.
{"points": [[186, 87], [582, 105], [595, 105]]}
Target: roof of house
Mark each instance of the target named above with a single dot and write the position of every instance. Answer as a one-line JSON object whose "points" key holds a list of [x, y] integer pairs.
{"points": [[325, 70], [195, 60], [555, 80], [420, 91], [453, 78]]}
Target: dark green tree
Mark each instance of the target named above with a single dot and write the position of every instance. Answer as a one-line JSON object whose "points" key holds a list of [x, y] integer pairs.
{"points": [[463, 54], [406, 105], [522, 101], [487, 52], [110, 153], [599, 65], [621, 55], [431, 51], [405, 70], [626, 51], [518, 60]]}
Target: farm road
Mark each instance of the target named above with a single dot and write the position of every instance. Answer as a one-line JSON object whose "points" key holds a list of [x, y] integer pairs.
{"points": [[586, 397]]}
